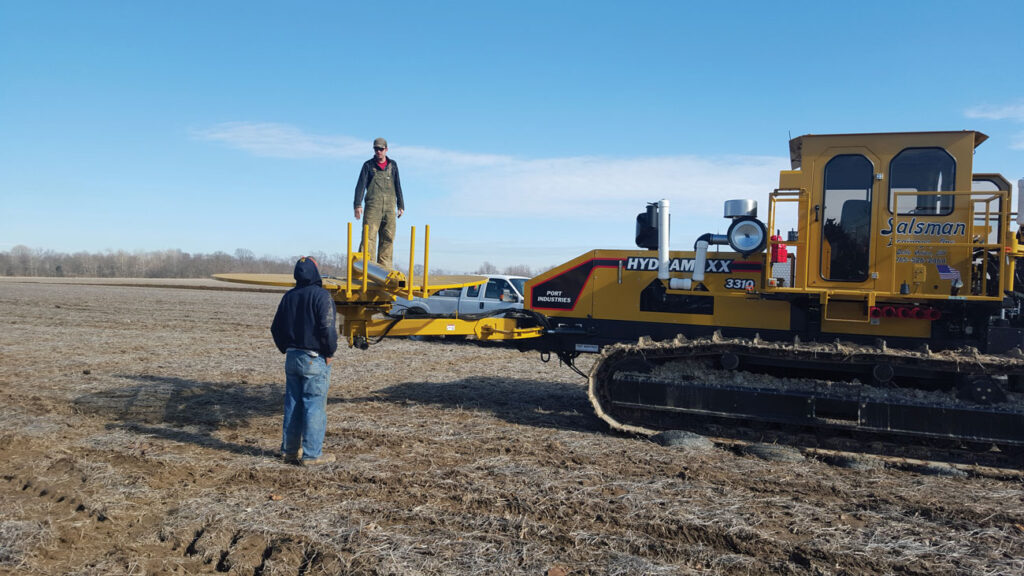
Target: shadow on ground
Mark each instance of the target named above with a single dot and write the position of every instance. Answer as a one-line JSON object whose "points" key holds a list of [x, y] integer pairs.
{"points": [[518, 401], [183, 402], [184, 410], [203, 438]]}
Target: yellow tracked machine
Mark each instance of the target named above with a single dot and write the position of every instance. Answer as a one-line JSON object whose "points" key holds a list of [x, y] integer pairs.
{"points": [[891, 308]]}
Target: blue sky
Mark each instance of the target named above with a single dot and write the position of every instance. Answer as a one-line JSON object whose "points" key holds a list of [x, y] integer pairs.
{"points": [[526, 132]]}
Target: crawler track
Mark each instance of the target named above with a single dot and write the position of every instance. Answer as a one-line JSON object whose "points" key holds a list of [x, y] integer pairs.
{"points": [[957, 406]]}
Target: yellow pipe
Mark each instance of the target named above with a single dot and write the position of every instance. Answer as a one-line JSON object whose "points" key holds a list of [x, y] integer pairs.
{"points": [[412, 260], [426, 258], [348, 263], [366, 244]]}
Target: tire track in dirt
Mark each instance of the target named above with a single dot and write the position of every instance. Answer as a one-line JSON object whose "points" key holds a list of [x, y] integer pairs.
{"points": [[71, 524], [78, 526], [232, 550], [59, 486]]}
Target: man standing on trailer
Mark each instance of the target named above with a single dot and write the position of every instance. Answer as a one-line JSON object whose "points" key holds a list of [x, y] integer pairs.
{"points": [[304, 330], [379, 180]]}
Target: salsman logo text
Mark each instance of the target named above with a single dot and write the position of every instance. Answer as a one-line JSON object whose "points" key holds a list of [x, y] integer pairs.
{"points": [[913, 227]]}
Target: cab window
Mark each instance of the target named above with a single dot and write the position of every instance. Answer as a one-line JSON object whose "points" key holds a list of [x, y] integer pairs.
{"points": [[922, 170], [984, 185], [846, 218], [473, 291]]}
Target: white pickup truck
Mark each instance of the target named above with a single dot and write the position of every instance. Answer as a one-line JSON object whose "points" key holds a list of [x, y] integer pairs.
{"points": [[500, 292]]}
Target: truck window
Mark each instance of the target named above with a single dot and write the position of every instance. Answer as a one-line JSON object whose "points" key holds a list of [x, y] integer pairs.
{"points": [[846, 218], [520, 285], [449, 292], [495, 287], [922, 170], [473, 291]]}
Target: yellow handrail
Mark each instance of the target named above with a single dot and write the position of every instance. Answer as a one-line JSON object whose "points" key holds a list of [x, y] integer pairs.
{"points": [[412, 261], [348, 264], [426, 257], [366, 245]]}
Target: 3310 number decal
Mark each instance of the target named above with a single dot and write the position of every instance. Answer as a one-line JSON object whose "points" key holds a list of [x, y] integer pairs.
{"points": [[739, 284]]}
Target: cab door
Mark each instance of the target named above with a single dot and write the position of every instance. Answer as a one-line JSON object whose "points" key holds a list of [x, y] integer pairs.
{"points": [[843, 220]]}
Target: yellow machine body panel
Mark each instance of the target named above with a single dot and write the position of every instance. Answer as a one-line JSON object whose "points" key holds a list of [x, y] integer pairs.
{"points": [[482, 329], [610, 285]]}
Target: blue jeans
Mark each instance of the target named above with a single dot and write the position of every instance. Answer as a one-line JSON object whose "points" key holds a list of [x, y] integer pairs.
{"points": [[305, 403]]}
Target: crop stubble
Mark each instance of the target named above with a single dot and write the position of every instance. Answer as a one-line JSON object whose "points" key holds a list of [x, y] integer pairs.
{"points": [[141, 424]]}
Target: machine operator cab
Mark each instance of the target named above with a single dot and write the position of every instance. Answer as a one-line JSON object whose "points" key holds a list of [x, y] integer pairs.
{"points": [[898, 214]]}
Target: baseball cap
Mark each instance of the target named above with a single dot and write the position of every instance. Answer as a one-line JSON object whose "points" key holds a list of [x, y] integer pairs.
{"points": [[380, 143]]}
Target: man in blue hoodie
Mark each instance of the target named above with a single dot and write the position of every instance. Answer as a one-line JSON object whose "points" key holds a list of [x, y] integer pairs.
{"points": [[304, 330]]}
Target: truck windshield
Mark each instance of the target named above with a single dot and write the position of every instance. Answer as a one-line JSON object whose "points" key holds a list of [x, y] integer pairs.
{"points": [[520, 284]]}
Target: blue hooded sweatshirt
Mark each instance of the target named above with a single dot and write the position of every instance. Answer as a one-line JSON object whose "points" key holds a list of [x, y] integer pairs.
{"points": [[305, 317]]}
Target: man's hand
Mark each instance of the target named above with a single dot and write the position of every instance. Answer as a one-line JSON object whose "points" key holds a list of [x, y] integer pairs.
{"points": [[400, 212], [359, 212], [329, 360]]}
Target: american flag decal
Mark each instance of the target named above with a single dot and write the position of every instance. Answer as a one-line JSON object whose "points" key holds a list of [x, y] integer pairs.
{"points": [[948, 272]]}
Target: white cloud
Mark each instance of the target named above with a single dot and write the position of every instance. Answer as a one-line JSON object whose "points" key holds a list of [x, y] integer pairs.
{"points": [[281, 141], [1014, 112], [1011, 112], [269, 139], [601, 188]]}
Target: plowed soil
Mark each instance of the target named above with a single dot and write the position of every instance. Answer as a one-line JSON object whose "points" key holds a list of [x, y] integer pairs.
{"points": [[140, 429]]}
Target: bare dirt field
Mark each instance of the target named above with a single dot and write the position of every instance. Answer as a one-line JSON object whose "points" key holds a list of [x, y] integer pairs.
{"points": [[140, 429]]}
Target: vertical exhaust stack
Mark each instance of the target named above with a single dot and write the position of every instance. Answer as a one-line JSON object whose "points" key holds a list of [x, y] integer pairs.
{"points": [[663, 248]]}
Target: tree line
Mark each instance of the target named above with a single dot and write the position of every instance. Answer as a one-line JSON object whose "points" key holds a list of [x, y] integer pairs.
{"points": [[24, 261]]}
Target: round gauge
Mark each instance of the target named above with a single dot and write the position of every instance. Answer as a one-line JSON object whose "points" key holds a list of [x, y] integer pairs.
{"points": [[747, 235]]}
